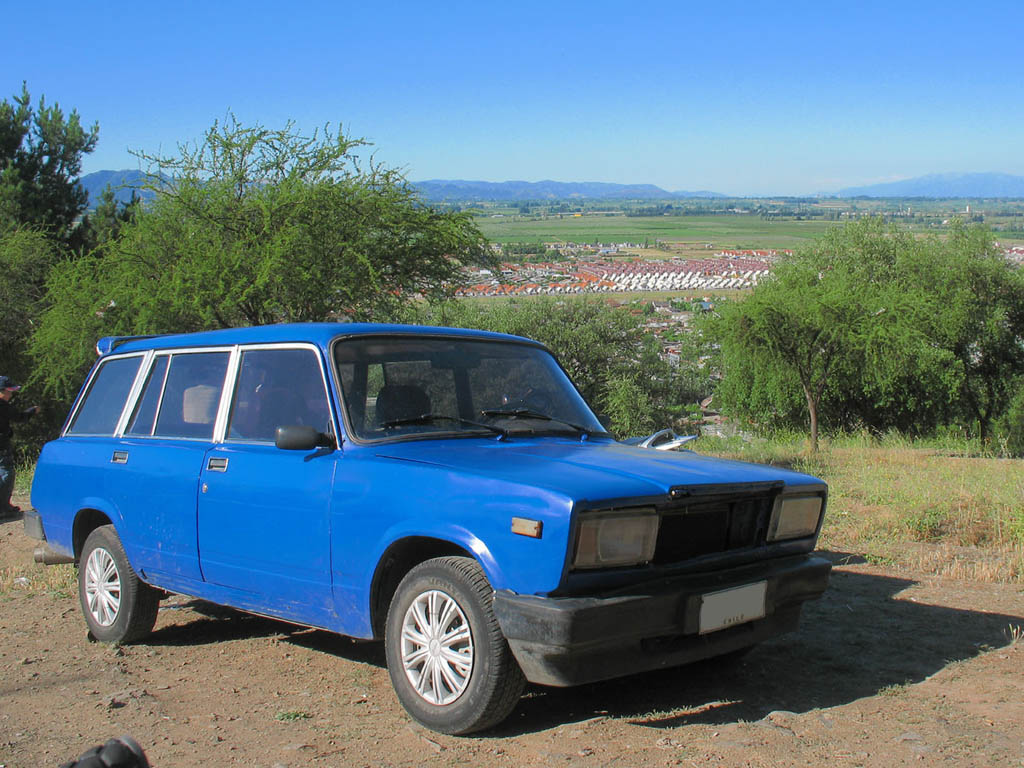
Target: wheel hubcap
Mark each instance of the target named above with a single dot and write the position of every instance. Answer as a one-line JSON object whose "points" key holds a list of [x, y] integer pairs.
{"points": [[437, 648], [102, 587]]}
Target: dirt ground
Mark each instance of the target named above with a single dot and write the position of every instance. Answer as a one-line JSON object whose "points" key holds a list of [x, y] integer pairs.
{"points": [[889, 668]]}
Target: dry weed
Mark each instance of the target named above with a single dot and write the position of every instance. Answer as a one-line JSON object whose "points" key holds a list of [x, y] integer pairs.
{"points": [[947, 513], [33, 578]]}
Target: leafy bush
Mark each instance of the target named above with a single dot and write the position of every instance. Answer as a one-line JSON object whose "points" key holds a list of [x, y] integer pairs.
{"points": [[1010, 430]]}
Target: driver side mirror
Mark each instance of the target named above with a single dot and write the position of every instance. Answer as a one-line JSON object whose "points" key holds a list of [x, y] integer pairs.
{"points": [[296, 438]]}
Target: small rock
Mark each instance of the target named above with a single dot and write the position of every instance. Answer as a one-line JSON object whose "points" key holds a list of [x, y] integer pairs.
{"points": [[21, 581], [585, 752], [433, 744]]}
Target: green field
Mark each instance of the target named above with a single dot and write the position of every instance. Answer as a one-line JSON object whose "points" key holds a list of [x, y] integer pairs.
{"points": [[740, 231], [735, 231]]}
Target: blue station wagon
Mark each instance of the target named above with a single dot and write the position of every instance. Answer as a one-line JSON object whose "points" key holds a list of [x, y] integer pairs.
{"points": [[448, 491]]}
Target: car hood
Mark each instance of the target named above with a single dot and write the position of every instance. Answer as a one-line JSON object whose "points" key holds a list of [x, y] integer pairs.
{"points": [[588, 470]]}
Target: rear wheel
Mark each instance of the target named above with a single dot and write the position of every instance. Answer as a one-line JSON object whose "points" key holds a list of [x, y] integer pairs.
{"points": [[449, 663], [117, 606]]}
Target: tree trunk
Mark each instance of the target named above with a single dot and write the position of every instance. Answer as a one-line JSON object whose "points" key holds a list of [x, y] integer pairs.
{"points": [[812, 409]]}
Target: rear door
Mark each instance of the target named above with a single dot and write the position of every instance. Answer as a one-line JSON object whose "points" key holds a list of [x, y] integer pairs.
{"points": [[166, 439]]}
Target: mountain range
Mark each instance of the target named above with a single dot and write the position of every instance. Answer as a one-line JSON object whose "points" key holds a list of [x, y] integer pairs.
{"points": [[945, 185], [122, 182], [441, 190], [939, 185]]}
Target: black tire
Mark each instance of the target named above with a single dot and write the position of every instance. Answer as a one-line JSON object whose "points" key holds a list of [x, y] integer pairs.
{"points": [[117, 605], [477, 699]]}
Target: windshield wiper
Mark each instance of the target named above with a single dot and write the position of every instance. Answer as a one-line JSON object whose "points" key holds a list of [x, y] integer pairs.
{"points": [[527, 413], [427, 418]]}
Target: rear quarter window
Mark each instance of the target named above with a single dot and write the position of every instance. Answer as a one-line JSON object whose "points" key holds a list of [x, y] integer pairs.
{"points": [[102, 404]]}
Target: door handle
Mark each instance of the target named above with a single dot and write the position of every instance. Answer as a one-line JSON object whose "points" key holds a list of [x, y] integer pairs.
{"points": [[119, 457], [217, 464]]}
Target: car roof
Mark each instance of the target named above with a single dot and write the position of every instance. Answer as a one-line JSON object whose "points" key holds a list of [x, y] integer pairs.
{"points": [[316, 333]]}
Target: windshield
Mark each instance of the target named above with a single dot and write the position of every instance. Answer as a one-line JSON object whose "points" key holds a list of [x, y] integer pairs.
{"points": [[416, 386]]}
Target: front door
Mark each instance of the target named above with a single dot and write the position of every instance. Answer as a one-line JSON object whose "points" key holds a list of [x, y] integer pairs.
{"points": [[264, 513]]}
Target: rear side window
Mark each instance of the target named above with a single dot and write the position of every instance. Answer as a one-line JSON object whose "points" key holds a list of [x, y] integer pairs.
{"points": [[102, 405], [191, 394]]}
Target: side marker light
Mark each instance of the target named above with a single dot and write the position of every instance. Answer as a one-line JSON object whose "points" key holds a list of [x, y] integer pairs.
{"points": [[526, 527]]}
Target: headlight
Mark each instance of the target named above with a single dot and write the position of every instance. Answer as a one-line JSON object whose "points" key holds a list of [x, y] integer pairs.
{"points": [[794, 517], [608, 539]]}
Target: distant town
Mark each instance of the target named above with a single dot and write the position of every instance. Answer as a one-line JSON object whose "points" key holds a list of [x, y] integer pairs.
{"points": [[600, 269], [590, 270]]}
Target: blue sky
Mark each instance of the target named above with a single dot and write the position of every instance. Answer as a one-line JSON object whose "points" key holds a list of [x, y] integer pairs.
{"points": [[747, 98]]}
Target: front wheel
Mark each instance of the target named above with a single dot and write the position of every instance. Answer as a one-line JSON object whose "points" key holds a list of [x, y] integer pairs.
{"points": [[449, 663], [117, 606]]}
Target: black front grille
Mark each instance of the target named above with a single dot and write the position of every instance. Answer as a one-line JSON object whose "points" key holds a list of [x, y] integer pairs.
{"points": [[709, 522]]}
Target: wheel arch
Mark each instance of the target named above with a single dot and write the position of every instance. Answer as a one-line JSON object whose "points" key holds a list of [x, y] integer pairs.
{"points": [[86, 521], [397, 560]]}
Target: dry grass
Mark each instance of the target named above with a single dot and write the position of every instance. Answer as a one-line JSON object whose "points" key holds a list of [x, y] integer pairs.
{"points": [[33, 578], [919, 506]]}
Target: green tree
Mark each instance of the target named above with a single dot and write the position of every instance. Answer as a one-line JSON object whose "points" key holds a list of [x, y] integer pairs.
{"points": [[249, 226], [26, 256], [628, 406], [106, 220], [835, 324], [41, 198], [978, 320], [1011, 426], [871, 327], [41, 153]]}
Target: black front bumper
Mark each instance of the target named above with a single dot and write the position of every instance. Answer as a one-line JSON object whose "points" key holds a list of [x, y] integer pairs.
{"points": [[572, 640]]}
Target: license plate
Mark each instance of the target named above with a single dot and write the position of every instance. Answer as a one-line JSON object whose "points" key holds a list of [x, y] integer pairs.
{"points": [[738, 605]]}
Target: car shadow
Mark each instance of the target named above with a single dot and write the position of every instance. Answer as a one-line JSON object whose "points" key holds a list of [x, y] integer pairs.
{"points": [[859, 639], [218, 623], [212, 624], [856, 641]]}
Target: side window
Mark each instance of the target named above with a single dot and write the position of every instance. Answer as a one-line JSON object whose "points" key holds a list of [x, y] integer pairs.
{"points": [[103, 403], [191, 394], [277, 387], [144, 418]]}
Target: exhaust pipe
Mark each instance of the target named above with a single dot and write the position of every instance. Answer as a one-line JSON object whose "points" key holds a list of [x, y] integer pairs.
{"points": [[47, 556]]}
